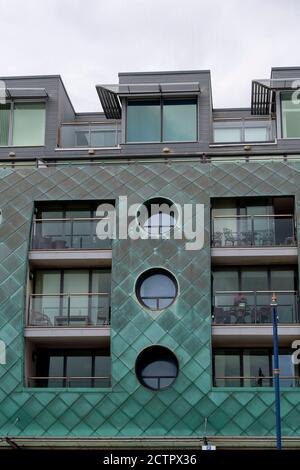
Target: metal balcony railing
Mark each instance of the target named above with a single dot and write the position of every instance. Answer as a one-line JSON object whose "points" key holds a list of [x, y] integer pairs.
{"points": [[58, 310], [93, 135], [256, 230], [66, 382], [253, 307], [255, 381], [68, 233]]}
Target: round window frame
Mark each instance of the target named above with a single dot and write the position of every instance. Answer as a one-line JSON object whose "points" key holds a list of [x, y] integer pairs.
{"points": [[158, 200], [148, 273], [137, 367]]}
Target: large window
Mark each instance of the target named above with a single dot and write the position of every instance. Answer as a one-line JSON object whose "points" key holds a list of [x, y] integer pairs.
{"points": [[252, 368], [290, 115], [71, 368], [162, 120], [22, 124]]}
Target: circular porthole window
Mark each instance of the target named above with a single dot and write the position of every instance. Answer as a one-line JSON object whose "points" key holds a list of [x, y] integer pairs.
{"points": [[157, 216], [156, 367], [156, 289]]}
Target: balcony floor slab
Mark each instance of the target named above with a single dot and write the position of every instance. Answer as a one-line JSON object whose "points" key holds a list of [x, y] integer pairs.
{"points": [[254, 255]]}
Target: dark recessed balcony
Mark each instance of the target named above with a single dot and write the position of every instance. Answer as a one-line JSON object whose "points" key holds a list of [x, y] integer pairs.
{"points": [[68, 234], [69, 310], [253, 307], [253, 231]]}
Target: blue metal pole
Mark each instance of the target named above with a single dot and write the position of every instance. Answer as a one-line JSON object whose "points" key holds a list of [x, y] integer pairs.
{"points": [[276, 371]]}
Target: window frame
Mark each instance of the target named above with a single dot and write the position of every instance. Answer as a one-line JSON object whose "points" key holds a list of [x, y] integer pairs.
{"points": [[11, 122], [281, 116], [144, 355], [161, 100], [146, 275]]}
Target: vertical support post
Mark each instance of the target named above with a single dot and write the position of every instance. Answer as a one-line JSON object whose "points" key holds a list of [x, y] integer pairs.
{"points": [[276, 371]]}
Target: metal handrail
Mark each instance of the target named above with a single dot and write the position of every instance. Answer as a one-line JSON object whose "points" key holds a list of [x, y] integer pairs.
{"points": [[228, 377], [69, 377], [68, 294], [70, 219], [257, 291], [250, 216]]}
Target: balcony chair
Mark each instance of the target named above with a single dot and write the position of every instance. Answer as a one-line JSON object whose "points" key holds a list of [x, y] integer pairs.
{"points": [[39, 319], [267, 238], [229, 237], [217, 239], [264, 315]]}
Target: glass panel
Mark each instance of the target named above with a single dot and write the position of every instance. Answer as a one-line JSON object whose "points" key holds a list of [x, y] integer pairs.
{"points": [[159, 224], [282, 279], [82, 137], [227, 135], [157, 287], [225, 280], [4, 123], [254, 280], [290, 117], [77, 307], [45, 307], [287, 368], [56, 369], [102, 369], [29, 124], [256, 364], [100, 304], [227, 364], [256, 134], [79, 366], [180, 120], [143, 121], [103, 138]]}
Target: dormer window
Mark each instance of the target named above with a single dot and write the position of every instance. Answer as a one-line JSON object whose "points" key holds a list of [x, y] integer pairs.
{"points": [[22, 124], [162, 120]]}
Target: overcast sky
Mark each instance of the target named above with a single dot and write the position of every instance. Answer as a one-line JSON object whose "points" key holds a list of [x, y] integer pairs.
{"points": [[90, 41]]}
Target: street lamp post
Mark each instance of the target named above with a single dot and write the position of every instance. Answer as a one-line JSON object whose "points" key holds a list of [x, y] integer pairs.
{"points": [[276, 371]]}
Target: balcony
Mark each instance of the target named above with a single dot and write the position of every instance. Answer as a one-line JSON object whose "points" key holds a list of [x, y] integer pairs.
{"points": [[69, 310], [90, 135], [68, 234], [253, 231], [253, 307]]}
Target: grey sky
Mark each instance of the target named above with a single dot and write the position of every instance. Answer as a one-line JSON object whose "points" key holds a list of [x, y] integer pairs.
{"points": [[90, 41]]}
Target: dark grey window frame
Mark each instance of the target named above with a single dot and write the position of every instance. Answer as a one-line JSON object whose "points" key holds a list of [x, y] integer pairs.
{"points": [[161, 99], [147, 274], [11, 121]]}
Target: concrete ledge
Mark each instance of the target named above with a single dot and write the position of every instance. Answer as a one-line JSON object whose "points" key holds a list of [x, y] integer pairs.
{"points": [[166, 443]]}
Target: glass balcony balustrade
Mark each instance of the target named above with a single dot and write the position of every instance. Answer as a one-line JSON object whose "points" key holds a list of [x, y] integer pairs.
{"points": [[253, 307], [256, 381], [70, 382], [257, 230], [71, 310], [90, 135], [68, 233]]}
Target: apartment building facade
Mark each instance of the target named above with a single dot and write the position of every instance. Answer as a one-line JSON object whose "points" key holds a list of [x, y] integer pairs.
{"points": [[131, 341]]}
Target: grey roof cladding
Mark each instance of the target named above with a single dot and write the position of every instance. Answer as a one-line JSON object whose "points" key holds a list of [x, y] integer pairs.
{"points": [[59, 109]]}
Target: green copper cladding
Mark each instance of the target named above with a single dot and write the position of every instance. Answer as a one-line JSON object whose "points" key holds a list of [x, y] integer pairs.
{"points": [[128, 409]]}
